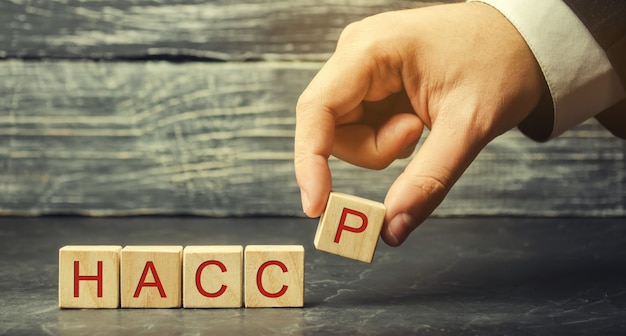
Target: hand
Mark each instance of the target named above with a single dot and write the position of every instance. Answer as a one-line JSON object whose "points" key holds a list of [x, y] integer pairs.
{"points": [[461, 70]]}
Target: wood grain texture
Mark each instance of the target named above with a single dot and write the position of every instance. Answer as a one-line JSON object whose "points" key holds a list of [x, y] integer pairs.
{"points": [[217, 139], [185, 29], [274, 276], [150, 277], [89, 276], [350, 227], [213, 276]]}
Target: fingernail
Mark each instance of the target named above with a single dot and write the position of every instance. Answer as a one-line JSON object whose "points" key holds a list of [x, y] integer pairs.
{"points": [[400, 227], [305, 201], [392, 237]]}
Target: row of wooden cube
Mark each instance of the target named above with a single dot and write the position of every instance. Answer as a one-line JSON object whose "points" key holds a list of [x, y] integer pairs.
{"points": [[171, 277], [212, 276]]}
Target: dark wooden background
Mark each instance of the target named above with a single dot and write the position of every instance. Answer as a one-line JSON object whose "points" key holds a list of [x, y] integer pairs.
{"points": [[187, 107]]}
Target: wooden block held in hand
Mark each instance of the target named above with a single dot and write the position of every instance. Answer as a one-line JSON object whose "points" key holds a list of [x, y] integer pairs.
{"points": [[350, 227], [274, 276], [212, 276], [151, 276], [89, 276]]}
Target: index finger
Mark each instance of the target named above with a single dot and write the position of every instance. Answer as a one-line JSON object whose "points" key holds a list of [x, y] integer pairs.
{"points": [[337, 89]]}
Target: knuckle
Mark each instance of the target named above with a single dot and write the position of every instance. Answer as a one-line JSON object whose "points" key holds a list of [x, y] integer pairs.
{"points": [[430, 186], [359, 36], [304, 102], [351, 30]]}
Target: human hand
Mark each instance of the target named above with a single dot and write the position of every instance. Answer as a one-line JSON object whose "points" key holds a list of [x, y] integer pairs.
{"points": [[461, 70]]}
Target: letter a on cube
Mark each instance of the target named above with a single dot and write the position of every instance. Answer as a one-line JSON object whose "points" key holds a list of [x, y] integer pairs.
{"points": [[89, 276], [212, 276], [151, 276], [350, 227], [274, 276]]}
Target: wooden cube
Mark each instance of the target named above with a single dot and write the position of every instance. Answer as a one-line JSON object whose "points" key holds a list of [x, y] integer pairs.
{"points": [[89, 276], [151, 276], [274, 276], [350, 227], [212, 276]]}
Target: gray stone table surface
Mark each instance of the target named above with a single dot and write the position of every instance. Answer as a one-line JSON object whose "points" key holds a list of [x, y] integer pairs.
{"points": [[454, 276]]}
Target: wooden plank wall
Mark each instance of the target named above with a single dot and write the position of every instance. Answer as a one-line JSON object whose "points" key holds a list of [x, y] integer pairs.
{"points": [[187, 107]]}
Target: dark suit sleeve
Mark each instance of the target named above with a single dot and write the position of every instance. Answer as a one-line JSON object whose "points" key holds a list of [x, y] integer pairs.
{"points": [[606, 21]]}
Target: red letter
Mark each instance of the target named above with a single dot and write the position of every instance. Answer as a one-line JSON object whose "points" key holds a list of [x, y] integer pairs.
{"points": [[142, 282], [77, 278], [259, 281], [342, 223], [199, 275]]}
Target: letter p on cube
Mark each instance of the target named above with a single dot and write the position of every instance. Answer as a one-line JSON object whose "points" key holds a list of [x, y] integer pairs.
{"points": [[350, 227]]}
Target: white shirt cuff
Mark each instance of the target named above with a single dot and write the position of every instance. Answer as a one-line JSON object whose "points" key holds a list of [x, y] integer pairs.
{"points": [[580, 77]]}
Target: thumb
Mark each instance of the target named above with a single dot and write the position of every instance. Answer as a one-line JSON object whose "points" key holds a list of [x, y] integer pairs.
{"points": [[442, 159]]}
